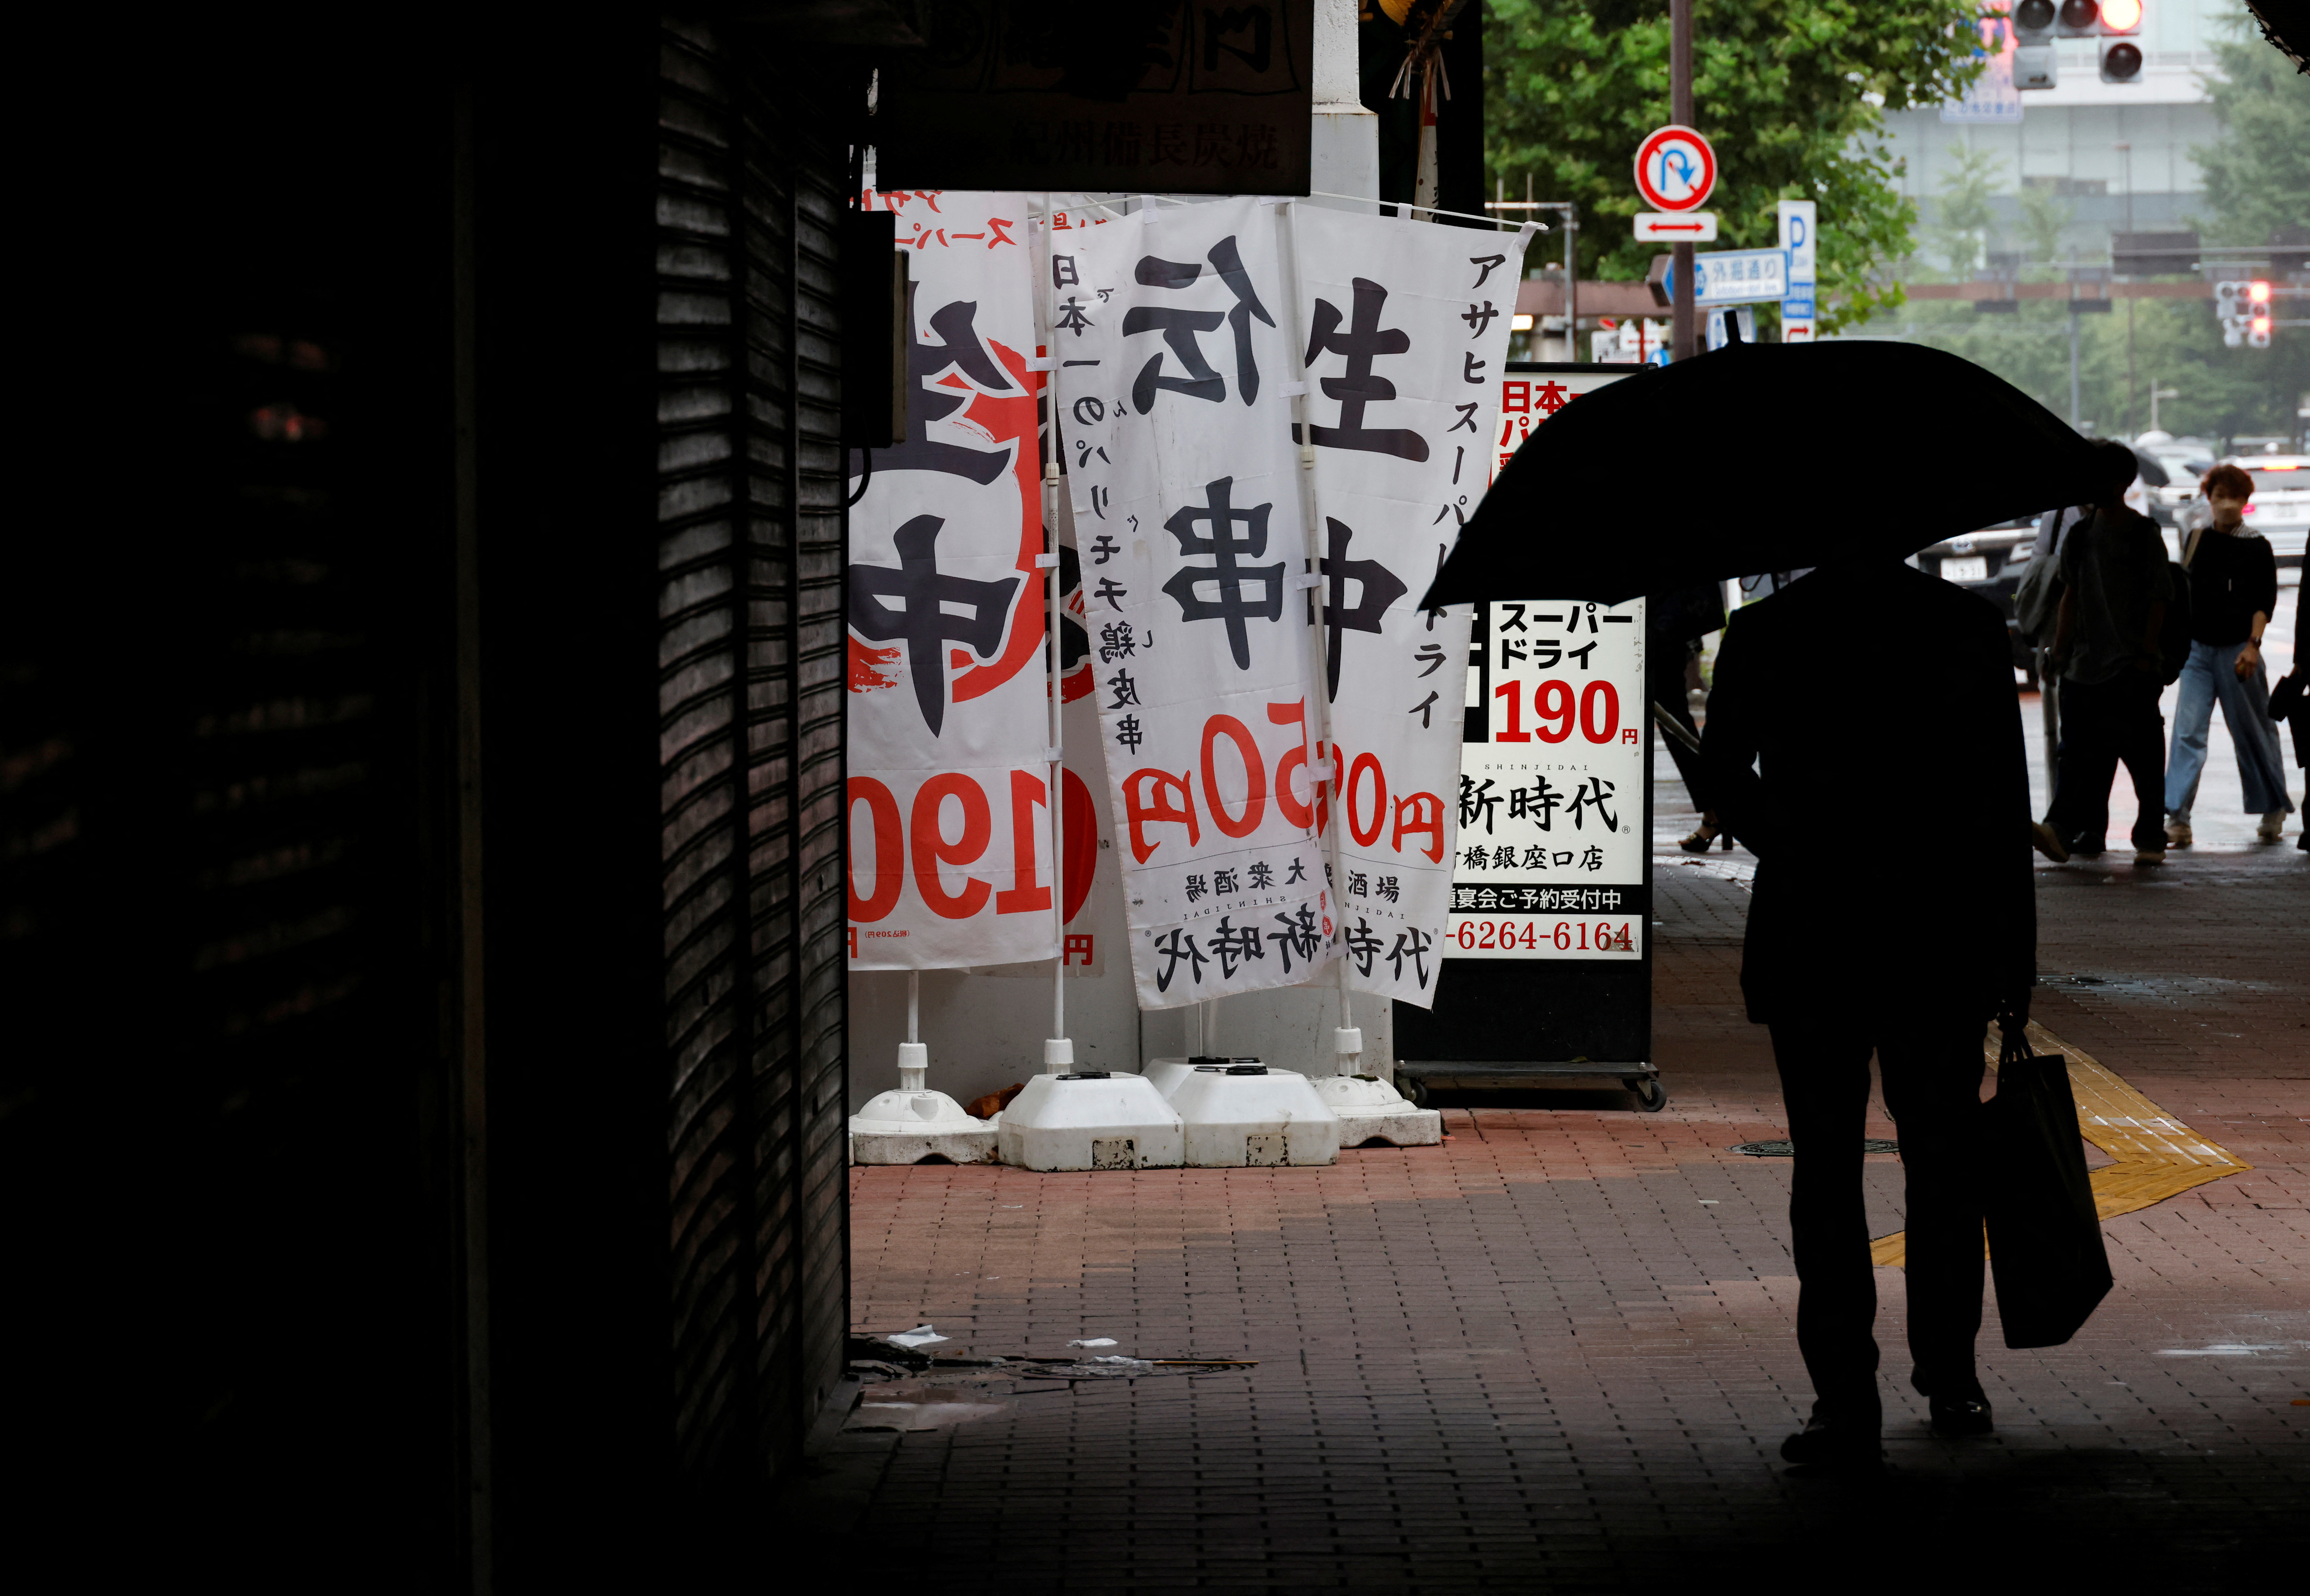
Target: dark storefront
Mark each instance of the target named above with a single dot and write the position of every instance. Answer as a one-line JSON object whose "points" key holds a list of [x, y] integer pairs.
{"points": [[422, 730]]}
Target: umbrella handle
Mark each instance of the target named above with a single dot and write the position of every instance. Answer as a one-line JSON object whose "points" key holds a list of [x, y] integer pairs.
{"points": [[1674, 730]]}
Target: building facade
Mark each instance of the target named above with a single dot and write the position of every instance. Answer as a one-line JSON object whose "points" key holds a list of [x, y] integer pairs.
{"points": [[2111, 157]]}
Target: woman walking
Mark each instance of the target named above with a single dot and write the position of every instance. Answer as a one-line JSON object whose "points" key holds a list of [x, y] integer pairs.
{"points": [[2233, 589]]}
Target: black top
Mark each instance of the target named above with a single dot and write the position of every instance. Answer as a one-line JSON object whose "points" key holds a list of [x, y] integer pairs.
{"points": [[1957, 937], [2231, 576]]}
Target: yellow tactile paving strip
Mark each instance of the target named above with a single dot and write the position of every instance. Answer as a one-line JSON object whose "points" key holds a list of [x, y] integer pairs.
{"points": [[2158, 1156]]}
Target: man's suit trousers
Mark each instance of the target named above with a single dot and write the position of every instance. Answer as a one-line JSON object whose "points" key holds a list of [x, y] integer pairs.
{"points": [[1932, 1065]]}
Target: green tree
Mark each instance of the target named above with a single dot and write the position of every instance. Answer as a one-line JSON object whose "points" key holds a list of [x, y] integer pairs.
{"points": [[2044, 219], [2258, 177], [1964, 222], [1792, 93]]}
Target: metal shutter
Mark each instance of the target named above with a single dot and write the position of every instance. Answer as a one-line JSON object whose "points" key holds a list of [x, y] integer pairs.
{"points": [[750, 546]]}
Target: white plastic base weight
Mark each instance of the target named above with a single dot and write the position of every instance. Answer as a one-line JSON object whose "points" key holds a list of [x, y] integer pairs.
{"points": [[1113, 1121], [1234, 1117], [1168, 1073], [1369, 1107], [906, 1127]]}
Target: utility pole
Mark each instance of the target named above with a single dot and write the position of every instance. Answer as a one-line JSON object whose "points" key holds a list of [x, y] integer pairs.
{"points": [[1682, 328], [2074, 404], [2125, 150]]}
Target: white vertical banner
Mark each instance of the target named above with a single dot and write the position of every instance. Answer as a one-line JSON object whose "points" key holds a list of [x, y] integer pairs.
{"points": [[948, 835], [1405, 332], [1170, 334]]}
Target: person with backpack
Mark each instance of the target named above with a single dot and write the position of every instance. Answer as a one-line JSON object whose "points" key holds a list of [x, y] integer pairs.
{"points": [[2233, 590], [2115, 591]]}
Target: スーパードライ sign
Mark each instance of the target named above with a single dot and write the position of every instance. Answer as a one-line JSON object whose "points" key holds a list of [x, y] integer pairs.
{"points": [[1551, 847]]}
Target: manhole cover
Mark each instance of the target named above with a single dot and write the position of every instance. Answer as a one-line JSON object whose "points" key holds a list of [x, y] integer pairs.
{"points": [[1788, 1149]]}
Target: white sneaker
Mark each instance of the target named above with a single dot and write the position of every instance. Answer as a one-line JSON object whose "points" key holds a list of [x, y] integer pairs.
{"points": [[2272, 827], [2149, 856], [2177, 835]]}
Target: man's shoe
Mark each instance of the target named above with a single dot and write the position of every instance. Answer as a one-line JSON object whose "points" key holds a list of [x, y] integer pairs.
{"points": [[2147, 856], [2177, 835], [2272, 827], [1828, 1446], [2048, 842], [1960, 1416], [2085, 847]]}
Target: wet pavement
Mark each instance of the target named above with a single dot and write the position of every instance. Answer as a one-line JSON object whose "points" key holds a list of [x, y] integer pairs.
{"points": [[1558, 1352]]}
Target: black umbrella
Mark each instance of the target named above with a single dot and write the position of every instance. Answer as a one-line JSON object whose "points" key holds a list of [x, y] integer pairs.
{"points": [[1763, 457]]}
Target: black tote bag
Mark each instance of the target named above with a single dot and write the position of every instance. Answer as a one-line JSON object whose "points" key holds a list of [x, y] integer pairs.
{"points": [[2045, 1250]]}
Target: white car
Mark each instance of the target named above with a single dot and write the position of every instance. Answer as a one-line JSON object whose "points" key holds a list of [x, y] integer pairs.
{"points": [[2280, 510]]}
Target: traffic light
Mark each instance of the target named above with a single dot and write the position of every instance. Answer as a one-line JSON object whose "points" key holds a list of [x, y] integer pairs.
{"points": [[2243, 310], [2034, 67], [2121, 49], [2229, 311], [2080, 18]]}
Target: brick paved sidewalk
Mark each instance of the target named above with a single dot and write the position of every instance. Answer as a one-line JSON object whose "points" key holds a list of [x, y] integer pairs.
{"points": [[1558, 1352]]}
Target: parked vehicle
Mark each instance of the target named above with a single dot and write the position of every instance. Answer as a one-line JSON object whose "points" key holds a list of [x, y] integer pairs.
{"points": [[1989, 562], [2280, 510]]}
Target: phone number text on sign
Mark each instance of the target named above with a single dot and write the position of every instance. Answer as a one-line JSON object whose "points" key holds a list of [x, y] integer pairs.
{"points": [[1535, 937]]}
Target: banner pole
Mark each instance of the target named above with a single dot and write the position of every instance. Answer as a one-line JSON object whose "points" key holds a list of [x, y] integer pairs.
{"points": [[914, 1058], [1348, 1042], [1058, 1051]]}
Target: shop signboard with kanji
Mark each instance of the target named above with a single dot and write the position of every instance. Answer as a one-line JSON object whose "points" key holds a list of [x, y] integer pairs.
{"points": [[1551, 848], [948, 834], [1548, 957], [1528, 398], [1550, 862], [1115, 99]]}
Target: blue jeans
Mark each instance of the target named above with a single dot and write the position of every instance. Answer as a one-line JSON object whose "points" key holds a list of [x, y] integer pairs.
{"points": [[2210, 674]]}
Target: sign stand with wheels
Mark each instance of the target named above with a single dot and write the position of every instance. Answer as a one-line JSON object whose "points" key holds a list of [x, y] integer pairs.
{"points": [[1548, 957]]}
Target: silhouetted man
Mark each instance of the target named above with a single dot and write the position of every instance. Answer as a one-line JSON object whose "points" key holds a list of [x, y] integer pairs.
{"points": [[2115, 586], [1909, 959]]}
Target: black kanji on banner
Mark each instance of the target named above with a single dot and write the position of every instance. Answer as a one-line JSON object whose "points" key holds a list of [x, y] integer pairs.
{"points": [[1180, 329], [910, 604], [958, 348], [1363, 341], [1226, 573], [1378, 589]]}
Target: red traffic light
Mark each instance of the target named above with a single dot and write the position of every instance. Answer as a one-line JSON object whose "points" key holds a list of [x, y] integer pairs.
{"points": [[2258, 292], [2121, 16]]}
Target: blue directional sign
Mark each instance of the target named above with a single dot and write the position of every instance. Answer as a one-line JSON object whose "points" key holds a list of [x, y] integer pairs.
{"points": [[1736, 276], [1798, 309]]}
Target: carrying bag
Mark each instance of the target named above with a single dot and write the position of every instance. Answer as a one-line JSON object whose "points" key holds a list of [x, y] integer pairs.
{"points": [[2286, 698], [2045, 1251], [2038, 597]]}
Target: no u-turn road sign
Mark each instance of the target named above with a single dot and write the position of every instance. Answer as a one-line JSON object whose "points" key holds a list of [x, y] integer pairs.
{"points": [[1675, 168]]}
